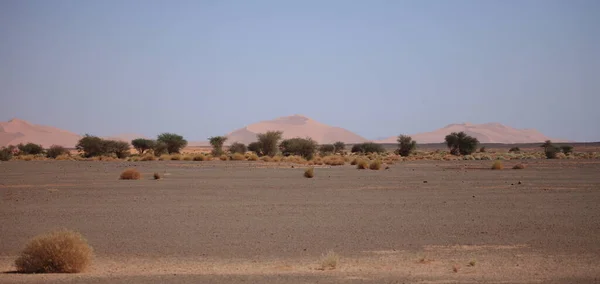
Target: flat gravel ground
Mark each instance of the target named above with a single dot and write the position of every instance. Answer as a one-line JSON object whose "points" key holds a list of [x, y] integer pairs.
{"points": [[254, 222]]}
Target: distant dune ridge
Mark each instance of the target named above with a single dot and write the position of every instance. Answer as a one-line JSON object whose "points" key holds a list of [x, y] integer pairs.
{"points": [[485, 133], [17, 131]]}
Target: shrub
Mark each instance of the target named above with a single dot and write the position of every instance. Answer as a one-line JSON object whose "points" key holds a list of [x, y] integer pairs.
{"points": [[514, 149], [304, 147], [461, 144], [567, 149], [60, 251], [64, 157], [334, 160], [118, 148], [142, 145], [550, 150], [329, 261], [164, 157], [224, 158], [156, 176], [367, 147], [30, 149], [482, 149], [375, 165], [518, 167], [159, 149], [175, 157], [217, 144], [354, 161], [309, 173], [255, 147], [238, 157], [339, 147], [252, 157], [147, 157], [268, 142], [362, 164], [5, 154], [174, 143], [130, 174], [55, 151], [187, 158], [406, 145], [497, 165], [238, 148], [326, 149]]}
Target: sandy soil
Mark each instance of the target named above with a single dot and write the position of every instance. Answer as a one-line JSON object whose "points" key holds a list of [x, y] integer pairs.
{"points": [[243, 222]]}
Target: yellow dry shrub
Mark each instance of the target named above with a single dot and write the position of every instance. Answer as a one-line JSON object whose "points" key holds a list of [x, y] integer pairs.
{"points": [[309, 173], [130, 174], [60, 251], [237, 157]]}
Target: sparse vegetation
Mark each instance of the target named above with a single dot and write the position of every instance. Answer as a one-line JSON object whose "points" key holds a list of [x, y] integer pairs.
{"points": [[497, 165], [339, 147], [175, 157], [238, 157], [160, 148], [514, 150], [550, 150], [255, 147], [375, 165], [223, 157], [367, 147], [30, 149], [406, 145], [519, 167], [326, 149], [5, 154], [482, 149], [237, 147], [267, 143], [55, 151], [334, 160], [174, 142], [157, 176], [252, 157], [142, 145], [461, 144], [362, 164], [309, 173], [93, 146], [567, 149], [304, 147], [329, 261], [130, 174], [217, 144], [60, 251]]}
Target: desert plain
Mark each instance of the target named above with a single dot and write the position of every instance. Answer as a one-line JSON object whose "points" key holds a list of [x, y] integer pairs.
{"points": [[255, 222]]}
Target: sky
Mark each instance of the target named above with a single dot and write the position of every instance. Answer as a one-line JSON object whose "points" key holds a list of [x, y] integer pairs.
{"points": [[377, 68]]}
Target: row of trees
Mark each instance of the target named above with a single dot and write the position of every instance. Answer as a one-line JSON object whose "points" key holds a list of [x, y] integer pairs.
{"points": [[6, 153]]}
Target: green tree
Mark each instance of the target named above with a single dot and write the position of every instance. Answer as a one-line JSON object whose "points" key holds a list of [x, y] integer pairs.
{"points": [[159, 148], [367, 147], [30, 149], [90, 146], [217, 143], [406, 145], [55, 151], [461, 144], [268, 142], [567, 149], [237, 147], [119, 148], [304, 147], [255, 147], [339, 147], [175, 143], [326, 149], [142, 145], [5, 154]]}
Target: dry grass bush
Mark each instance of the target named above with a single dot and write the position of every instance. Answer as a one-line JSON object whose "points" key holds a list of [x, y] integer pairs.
{"points": [[294, 159], [497, 165], [175, 157], [318, 161], [334, 160], [130, 174], [309, 173], [329, 261], [24, 157], [187, 158], [156, 176], [375, 165], [519, 167], [64, 157], [60, 251], [103, 158], [362, 164], [199, 157], [223, 157], [164, 157], [238, 157], [252, 157], [354, 161], [266, 159], [277, 159], [561, 156], [148, 157]]}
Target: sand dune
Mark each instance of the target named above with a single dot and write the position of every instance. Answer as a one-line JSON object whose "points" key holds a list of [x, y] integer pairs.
{"points": [[485, 133], [17, 131]]}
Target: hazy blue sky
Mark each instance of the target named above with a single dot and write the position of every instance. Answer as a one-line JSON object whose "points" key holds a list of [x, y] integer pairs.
{"points": [[378, 68]]}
